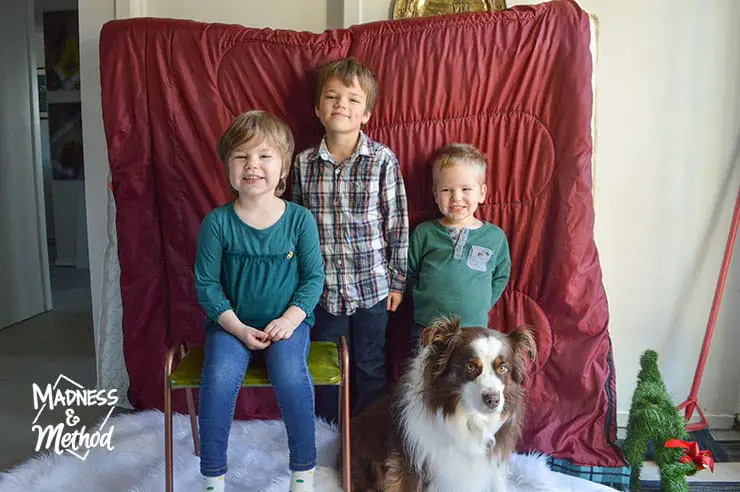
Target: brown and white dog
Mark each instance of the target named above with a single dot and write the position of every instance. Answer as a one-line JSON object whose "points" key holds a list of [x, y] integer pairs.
{"points": [[452, 420]]}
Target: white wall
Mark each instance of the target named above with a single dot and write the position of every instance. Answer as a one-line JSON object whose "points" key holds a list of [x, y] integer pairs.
{"points": [[308, 15], [92, 15], [667, 171], [667, 179]]}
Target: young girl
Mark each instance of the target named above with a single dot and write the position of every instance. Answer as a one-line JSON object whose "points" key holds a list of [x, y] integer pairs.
{"points": [[258, 274]]}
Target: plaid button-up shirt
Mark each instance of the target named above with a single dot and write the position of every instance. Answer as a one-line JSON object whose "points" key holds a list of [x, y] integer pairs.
{"points": [[360, 207]]}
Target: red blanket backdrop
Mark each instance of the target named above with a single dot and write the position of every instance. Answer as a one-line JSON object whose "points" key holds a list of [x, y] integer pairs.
{"points": [[515, 83]]}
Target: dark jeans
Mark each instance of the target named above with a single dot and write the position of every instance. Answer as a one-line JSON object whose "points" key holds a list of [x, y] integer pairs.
{"points": [[365, 333], [415, 334]]}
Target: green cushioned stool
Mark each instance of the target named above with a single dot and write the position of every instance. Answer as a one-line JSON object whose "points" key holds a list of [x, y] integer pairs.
{"points": [[327, 363]]}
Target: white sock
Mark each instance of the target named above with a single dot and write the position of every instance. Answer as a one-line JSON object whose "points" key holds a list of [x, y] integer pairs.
{"points": [[302, 481], [214, 484]]}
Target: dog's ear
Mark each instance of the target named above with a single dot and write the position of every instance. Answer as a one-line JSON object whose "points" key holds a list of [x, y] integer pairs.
{"points": [[524, 347], [438, 335], [440, 331]]}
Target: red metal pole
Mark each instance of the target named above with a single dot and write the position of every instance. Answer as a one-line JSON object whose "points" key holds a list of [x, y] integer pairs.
{"points": [[691, 402]]}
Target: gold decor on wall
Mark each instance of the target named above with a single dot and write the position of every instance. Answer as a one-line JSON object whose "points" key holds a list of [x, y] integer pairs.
{"points": [[424, 8]]}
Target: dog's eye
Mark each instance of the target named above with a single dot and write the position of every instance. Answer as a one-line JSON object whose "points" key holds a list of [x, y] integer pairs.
{"points": [[502, 369], [470, 367]]}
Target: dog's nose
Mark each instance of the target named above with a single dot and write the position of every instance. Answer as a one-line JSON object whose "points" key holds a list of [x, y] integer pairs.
{"points": [[491, 399]]}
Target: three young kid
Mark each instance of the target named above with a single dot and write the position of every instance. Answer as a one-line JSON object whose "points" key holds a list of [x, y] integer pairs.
{"points": [[335, 259], [353, 186], [458, 264], [259, 274]]}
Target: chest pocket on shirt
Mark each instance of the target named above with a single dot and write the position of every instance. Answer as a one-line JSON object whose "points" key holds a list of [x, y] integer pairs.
{"points": [[364, 199], [479, 258]]}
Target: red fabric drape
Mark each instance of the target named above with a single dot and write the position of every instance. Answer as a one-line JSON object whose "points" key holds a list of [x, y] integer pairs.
{"points": [[515, 83]]}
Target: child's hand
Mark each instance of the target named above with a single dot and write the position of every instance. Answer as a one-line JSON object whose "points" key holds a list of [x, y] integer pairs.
{"points": [[394, 300], [279, 329], [254, 339]]}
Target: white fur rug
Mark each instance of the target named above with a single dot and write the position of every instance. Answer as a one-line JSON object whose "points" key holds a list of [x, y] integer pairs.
{"points": [[258, 460]]}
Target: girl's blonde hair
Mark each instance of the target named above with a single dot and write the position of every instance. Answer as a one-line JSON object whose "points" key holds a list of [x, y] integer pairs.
{"points": [[459, 153], [262, 126]]}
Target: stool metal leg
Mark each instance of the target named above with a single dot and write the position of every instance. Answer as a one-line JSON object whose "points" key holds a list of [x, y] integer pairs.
{"points": [[344, 413], [191, 412], [193, 420], [168, 419]]}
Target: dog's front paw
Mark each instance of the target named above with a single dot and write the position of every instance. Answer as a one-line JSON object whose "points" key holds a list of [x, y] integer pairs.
{"points": [[491, 447]]}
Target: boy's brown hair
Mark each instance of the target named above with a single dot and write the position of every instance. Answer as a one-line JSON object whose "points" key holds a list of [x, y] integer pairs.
{"points": [[346, 70], [459, 153], [259, 125]]}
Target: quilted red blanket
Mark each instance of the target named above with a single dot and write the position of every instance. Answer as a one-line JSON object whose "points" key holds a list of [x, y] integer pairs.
{"points": [[515, 83]]}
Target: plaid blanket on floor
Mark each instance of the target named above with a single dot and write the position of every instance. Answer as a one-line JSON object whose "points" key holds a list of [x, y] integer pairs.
{"points": [[614, 477]]}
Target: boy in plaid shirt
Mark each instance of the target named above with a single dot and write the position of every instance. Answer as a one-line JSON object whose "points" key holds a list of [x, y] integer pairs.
{"points": [[354, 188]]}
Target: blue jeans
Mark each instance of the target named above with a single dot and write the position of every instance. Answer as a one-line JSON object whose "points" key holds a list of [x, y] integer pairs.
{"points": [[365, 333], [226, 361]]}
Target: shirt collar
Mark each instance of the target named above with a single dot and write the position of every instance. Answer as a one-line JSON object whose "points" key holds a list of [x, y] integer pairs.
{"points": [[363, 148]]}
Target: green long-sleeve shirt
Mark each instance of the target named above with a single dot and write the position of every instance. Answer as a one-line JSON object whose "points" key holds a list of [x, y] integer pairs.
{"points": [[458, 277], [258, 273]]}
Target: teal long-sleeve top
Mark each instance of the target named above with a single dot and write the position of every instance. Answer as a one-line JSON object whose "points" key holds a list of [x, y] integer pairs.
{"points": [[258, 273], [460, 276]]}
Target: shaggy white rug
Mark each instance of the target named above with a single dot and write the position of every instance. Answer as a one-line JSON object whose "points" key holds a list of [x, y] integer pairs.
{"points": [[258, 457]]}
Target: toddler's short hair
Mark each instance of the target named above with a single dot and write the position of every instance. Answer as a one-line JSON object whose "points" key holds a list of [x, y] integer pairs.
{"points": [[259, 125], [346, 70], [459, 153]]}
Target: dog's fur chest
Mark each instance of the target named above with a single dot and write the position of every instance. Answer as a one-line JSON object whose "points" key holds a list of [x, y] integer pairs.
{"points": [[455, 454]]}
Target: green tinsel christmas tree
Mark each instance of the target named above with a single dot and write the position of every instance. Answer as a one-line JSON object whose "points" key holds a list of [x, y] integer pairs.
{"points": [[654, 419]]}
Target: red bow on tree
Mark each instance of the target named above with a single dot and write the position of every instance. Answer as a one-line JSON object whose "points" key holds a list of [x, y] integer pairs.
{"points": [[701, 459]]}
